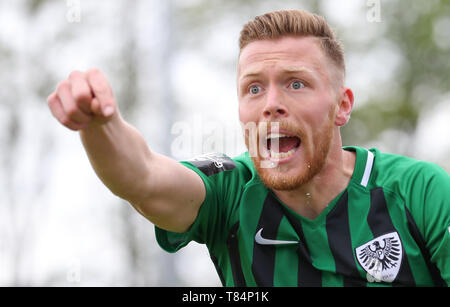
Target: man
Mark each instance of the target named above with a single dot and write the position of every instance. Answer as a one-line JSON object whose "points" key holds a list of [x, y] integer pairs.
{"points": [[300, 210]]}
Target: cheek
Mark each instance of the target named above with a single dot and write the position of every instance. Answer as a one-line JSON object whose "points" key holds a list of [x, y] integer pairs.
{"points": [[242, 115], [316, 120], [247, 114], [324, 112]]}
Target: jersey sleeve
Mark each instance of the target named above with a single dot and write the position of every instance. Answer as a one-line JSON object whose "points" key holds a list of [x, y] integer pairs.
{"points": [[430, 207], [223, 179]]}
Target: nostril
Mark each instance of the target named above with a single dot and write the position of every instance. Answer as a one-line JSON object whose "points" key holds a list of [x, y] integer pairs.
{"points": [[277, 112], [281, 111]]}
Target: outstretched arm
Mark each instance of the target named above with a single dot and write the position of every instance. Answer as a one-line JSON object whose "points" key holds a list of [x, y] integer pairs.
{"points": [[161, 189]]}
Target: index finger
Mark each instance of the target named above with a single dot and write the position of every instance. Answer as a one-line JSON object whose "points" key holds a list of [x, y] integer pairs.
{"points": [[102, 91], [81, 91]]}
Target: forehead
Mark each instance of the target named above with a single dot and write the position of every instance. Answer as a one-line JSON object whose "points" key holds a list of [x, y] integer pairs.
{"points": [[287, 51]]}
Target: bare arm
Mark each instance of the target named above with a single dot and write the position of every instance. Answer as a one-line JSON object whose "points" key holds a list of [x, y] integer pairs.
{"points": [[161, 189]]}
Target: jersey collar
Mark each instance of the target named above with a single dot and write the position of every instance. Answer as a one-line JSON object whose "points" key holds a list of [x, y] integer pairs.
{"points": [[363, 165]]}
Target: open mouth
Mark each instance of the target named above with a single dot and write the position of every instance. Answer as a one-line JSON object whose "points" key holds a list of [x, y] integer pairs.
{"points": [[281, 145]]}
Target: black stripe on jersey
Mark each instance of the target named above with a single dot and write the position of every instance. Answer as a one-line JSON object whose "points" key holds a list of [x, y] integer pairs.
{"points": [[219, 271], [380, 223], [378, 218], [415, 233], [235, 257], [263, 266], [339, 240], [308, 275]]}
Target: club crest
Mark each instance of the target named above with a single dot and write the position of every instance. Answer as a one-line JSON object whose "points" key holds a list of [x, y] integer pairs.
{"points": [[381, 257]]}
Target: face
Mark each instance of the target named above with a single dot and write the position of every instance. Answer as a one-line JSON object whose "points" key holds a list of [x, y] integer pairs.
{"points": [[288, 83]]}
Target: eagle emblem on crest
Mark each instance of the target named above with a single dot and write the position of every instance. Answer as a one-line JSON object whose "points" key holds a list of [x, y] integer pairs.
{"points": [[381, 257]]}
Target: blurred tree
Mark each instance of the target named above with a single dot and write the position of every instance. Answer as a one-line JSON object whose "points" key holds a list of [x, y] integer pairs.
{"points": [[127, 98], [420, 79], [22, 207], [414, 35], [408, 30], [135, 231]]}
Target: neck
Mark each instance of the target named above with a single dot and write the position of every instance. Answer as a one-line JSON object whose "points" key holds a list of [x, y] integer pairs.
{"points": [[311, 198]]}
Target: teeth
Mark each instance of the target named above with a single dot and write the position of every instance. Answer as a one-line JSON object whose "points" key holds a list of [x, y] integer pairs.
{"points": [[282, 155], [275, 135]]}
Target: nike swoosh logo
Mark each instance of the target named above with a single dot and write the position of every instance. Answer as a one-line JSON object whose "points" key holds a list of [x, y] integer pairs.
{"points": [[260, 240]]}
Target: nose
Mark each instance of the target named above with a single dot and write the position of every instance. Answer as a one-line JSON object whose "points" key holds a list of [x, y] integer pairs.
{"points": [[274, 107]]}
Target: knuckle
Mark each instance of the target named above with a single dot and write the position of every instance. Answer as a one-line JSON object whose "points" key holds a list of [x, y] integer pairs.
{"points": [[50, 100], [97, 81], [50, 104], [75, 74], [94, 72], [63, 85]]}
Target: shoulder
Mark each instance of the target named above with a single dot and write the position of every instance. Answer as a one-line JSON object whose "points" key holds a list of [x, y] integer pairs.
{"points": [[404, 172], [218, 166], [423, 187]]}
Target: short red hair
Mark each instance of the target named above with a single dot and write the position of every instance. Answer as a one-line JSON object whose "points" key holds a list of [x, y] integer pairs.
{"points": [[277, 24]]}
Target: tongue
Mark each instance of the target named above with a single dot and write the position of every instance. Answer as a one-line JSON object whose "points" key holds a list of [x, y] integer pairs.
{"points": [[286, 144]]}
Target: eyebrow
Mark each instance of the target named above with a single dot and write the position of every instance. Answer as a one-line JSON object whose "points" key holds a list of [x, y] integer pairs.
{"points": [[285, 69]]}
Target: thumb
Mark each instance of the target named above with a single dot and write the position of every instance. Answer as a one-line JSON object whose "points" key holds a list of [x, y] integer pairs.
{"points": [[103, 111], [107, 111]]}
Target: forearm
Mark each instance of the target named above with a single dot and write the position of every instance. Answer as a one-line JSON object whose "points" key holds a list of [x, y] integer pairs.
{"points": [[119, 155]]}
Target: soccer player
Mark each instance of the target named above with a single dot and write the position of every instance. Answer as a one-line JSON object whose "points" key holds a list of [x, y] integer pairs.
{"points": [[298, 208]]}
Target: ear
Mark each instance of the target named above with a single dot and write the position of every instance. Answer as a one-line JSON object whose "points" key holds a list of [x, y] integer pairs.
{"points": [[344, 107]]}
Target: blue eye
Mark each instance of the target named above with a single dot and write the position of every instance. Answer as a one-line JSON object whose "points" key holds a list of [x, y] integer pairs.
{"points": [[255, 89], [296, 85]]}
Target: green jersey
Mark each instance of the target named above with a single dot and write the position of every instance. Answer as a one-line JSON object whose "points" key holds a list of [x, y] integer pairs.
{"points": [[389, 227]]}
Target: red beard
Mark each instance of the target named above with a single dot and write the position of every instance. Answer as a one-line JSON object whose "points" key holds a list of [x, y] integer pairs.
{"points": [[315, 150]]}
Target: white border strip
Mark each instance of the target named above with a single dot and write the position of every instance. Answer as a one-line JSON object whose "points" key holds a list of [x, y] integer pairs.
{"points": [[368, 169]]}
